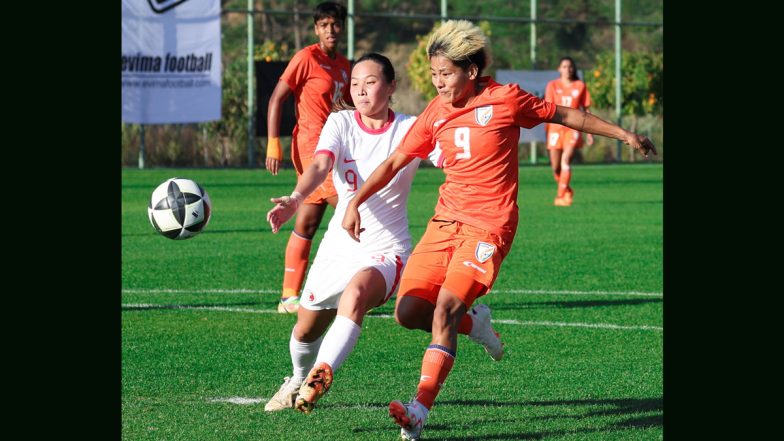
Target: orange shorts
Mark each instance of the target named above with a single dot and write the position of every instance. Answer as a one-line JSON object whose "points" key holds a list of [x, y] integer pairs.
{"points": [[454, 255], [559, 137], [301, 163]]}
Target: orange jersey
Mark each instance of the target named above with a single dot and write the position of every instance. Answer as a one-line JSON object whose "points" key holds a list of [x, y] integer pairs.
{"points": [[317, 82], [575, 95], [479, 148]]}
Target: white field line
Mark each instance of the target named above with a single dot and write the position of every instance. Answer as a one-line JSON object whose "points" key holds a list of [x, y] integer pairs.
{"points": [[199, 291], [238, 400], [578, 325], [387, 316], [244, 401], [578, 293], [496, 291]]}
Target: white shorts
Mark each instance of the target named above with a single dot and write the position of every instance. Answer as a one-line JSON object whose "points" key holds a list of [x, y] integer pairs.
{"points": [[330, 275]]}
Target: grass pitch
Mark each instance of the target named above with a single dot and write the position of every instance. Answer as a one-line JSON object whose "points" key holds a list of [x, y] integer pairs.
{"points": [[578, 304]]}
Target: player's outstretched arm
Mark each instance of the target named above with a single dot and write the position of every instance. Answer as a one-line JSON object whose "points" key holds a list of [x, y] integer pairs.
{"points": [[590, 123], [274, 108], [286, 206], [375, 182]]}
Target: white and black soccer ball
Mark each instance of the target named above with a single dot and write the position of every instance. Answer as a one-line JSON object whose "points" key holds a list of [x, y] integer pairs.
{"points": [[179, 208]]}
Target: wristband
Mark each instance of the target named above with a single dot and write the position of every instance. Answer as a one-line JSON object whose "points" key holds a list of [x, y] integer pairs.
{"points": [[273, 148]]}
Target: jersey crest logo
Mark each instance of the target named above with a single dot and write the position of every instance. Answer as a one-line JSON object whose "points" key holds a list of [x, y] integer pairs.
{"points": [[345, 76], [483, 115], [484, 251], [575, 92]]}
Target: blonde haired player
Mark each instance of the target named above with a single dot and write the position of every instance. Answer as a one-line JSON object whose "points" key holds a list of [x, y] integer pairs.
{"points": [[476, 123], [348, 278]]}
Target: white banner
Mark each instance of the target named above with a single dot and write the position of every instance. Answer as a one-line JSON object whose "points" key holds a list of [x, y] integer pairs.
{"points": [[171, 61], [535, 83]]}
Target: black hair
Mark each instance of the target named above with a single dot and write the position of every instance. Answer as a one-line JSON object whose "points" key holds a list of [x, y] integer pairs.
{"points": [[330, 9], [386, 66], [478, 58], [574, 65]]}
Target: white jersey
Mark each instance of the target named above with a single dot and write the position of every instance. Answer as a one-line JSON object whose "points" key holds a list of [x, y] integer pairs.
{"points": [[357, 151]]}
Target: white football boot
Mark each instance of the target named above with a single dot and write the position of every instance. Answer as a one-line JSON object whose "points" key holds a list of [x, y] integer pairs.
{"points": [[410, 417], [288, 305], [286, 396], [483, 333]]}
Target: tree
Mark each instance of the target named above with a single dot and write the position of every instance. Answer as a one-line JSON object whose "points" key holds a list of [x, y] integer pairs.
{"points": [[641, 83]]}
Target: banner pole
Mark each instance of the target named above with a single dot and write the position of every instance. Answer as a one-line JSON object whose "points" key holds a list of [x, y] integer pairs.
{"points": [[618, 77], [251, 113], [141, 148], [533, 65], [350, 49]]}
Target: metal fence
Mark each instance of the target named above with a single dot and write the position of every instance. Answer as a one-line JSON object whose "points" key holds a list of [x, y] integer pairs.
{"points": [[523, 35]]}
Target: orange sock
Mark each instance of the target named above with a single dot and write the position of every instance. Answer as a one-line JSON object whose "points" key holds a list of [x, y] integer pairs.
{"points": [[563, 182], [465, 325], [436, 364], [297, 256]]}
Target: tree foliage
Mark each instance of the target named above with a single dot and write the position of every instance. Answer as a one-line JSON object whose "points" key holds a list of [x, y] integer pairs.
{"points": [[418, 67], [231, 130], [641, 82]]}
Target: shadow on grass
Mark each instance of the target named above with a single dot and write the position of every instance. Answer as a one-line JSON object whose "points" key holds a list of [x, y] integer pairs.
{"points": [[629, 408], [208, 231]]}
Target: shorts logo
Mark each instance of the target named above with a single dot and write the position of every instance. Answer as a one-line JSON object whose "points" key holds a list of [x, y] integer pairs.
{"points": [[468, 263], [311, 297], [484, 251], [483, 115]]}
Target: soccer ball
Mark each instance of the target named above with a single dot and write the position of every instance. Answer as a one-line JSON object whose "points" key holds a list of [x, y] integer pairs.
{"points": [[179, 208]]}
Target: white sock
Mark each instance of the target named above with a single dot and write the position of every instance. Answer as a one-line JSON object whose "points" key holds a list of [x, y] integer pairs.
{"points": [[339, 342], [302, 356]]}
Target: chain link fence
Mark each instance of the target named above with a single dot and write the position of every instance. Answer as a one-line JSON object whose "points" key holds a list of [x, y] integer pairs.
{"points": [[580, 29]]}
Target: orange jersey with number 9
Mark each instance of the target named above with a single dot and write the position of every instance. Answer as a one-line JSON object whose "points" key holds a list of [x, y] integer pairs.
{"points": [[479, 150]]}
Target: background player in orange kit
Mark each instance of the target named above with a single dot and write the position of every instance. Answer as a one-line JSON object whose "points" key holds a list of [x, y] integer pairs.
{"points": [[567, 91], [476, 124], [318, 77]]}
